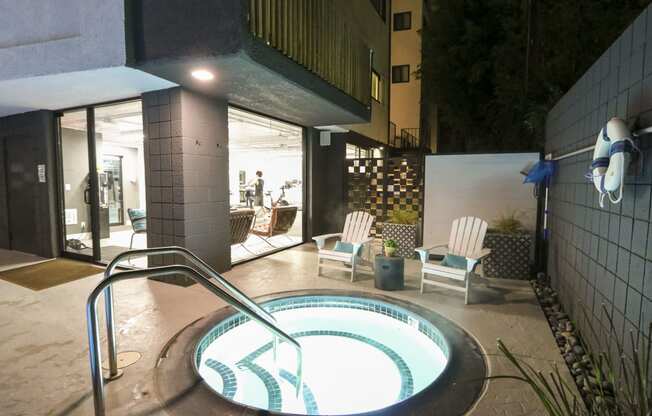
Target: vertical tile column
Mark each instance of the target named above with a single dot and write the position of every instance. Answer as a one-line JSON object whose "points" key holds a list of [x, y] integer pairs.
{"points": [[187, 174]]}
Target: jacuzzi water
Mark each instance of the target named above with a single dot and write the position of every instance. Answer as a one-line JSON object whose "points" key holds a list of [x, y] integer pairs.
{"points": [[359, 355]]}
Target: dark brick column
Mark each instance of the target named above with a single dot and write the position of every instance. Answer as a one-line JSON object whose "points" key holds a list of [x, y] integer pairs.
{"points": [[186, 163]]}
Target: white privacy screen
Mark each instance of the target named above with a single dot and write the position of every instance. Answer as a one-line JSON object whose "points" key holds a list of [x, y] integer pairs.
{"points": [[483, 185]]}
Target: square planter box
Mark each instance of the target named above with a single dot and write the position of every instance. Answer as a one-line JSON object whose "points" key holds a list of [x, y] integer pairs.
{"points": [[510, 255], [404, 234]]}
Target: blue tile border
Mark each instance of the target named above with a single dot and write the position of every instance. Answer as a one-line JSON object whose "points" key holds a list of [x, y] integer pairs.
{"points": [[274, 399], [331, 301], [407, 381], [229, 382]]}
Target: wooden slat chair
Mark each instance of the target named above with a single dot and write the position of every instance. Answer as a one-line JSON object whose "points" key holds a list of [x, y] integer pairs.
{"points": [[465, 246], [348, 250], [280, 222], [241, 221]]}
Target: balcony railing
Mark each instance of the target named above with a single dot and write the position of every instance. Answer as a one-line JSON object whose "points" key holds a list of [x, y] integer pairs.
{"points": [[408, 139], [315, 35]]}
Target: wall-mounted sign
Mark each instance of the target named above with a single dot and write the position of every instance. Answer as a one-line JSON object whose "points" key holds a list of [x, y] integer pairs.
{"points": [[41, 172], [71, 216], [324, 138]]}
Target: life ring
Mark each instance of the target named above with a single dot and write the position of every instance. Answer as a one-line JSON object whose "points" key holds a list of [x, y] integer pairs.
{"points": [[611, 158], [600, 163]]}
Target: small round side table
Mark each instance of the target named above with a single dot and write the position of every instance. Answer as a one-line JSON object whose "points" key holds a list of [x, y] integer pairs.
{"points": [[389, 272]]}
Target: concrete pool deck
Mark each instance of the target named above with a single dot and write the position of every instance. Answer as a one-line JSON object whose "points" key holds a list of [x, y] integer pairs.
{"points": [[44, 354]]}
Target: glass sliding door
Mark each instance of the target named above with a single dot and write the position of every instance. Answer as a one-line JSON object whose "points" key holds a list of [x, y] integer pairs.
{"points": [[121, 172], [76, 184], [103, 181], [266, 184]]}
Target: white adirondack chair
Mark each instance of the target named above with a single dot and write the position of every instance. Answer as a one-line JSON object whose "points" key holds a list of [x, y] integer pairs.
{"points": [[466, 239], [356, 233]]}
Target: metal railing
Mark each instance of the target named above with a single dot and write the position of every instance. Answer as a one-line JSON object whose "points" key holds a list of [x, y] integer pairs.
{"points": [[235, 298], [188, 255], [406, 140], [410, 138]]}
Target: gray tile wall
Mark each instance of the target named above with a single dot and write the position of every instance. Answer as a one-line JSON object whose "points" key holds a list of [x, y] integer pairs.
{"points": [[187, 174], [29, 141], [604, 256]]}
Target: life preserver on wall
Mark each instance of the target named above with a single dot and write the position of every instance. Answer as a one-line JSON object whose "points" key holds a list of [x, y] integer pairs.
{"points": [[611, 158]]}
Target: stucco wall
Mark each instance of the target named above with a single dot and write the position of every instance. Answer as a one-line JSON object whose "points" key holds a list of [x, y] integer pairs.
{"points": [[603, 256], [39, 37], [486, 186], [406, 50]]}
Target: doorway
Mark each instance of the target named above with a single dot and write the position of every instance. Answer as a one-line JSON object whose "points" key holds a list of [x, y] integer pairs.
{"points": [[266, 165], [103, 213]]}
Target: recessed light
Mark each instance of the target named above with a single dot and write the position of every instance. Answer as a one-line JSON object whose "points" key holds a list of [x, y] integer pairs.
{"points": [[202, 75]]}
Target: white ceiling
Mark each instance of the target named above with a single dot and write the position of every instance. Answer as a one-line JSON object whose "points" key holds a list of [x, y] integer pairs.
{"points": [[119, 124], [249, 132], [73, 89]]}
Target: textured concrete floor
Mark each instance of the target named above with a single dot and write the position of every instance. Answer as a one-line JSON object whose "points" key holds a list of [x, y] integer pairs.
{"points": [[44, 353]]}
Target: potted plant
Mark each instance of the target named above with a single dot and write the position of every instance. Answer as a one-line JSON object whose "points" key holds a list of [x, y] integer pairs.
{"points": [[511, 245], [401, 226], [390, 247]]}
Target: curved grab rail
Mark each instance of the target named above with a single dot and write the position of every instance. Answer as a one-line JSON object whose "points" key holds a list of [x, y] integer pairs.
{"points": [[189, 255], [94, 333]]}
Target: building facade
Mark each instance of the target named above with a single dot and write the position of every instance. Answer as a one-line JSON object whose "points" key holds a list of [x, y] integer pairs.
{"points": [[106, 83], [412, 122]]}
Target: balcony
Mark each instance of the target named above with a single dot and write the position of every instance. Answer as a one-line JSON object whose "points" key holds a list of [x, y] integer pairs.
{"points": [[312, 34], [304, 61]]}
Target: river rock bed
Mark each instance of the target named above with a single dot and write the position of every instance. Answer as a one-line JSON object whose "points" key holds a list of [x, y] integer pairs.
{"points": [[571, 347]]}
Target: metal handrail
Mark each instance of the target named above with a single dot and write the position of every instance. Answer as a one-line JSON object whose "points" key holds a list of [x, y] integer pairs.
{"points": [[189, 255], [94, 333]]}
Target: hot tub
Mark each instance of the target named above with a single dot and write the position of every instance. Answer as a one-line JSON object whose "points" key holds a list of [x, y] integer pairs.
{"points": [[362, 354]]}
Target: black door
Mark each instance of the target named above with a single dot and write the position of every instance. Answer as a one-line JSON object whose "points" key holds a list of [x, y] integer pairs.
{"points": [[21, 173]]}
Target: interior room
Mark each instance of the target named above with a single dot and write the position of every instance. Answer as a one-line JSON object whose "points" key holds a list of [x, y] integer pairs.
{"points": [[266, 184], [121, 180]]}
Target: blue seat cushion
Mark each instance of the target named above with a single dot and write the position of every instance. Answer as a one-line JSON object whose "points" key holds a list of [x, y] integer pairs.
{"points": [[343, 247], [138, 219], [456, 262]]}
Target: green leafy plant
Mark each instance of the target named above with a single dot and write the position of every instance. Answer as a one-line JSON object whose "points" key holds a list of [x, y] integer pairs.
{"points": [[553, 391], [508, 224], [390, 243], [403, 216], [618, 387]]}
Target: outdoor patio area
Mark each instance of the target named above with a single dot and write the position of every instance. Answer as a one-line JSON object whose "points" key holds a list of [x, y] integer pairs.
{"points": [[48, 346]]}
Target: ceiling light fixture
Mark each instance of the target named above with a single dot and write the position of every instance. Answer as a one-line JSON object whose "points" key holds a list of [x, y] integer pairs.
{"points": [[202, 75]]}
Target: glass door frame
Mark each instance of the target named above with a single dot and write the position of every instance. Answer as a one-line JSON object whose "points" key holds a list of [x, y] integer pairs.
{"points": [[305, 185], [93, 181], [94, 188]]}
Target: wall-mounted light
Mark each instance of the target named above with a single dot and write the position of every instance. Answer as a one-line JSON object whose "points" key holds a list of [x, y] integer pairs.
{"points": [[202, 75]]}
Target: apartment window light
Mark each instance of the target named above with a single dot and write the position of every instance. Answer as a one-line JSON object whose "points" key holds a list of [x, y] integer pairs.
{"points": [[376, 86], [402, 21], [400, 73]]}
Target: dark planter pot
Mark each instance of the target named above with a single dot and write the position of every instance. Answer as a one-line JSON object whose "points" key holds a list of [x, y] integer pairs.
{"points": [[510, 255], [404, 234]]}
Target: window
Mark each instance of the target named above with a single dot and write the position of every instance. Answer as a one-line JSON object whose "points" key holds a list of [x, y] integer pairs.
{"points": [[402, 21], [400, 73], [357, 152], [381, 8], [376, 86]]}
